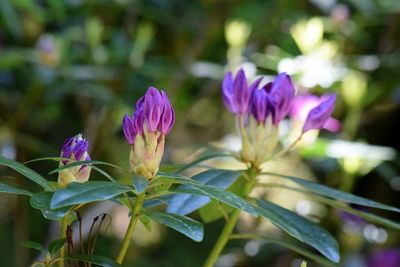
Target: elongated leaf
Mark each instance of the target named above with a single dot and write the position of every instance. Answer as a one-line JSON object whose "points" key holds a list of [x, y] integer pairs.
{"points": [[79, 193], [140, 183], [32, 245], [28, 173], [189, 227], [300, 228], [205, 158], [336, 194], [185, 203], [290, 244], [42, 200], [84, 162], [218, 194], [98, 260], [10, 189], [56, 245]]}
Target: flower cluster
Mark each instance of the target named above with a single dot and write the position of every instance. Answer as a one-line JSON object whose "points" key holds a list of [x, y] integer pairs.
{"points": [[260, 109], [74, 149], [145, 131]]}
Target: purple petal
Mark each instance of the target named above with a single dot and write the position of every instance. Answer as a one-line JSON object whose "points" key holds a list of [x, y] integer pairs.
{"points": [[318, 116], [80, 149], [128, 129], [227, 93], [282, 92], [168, 116], [138, 121], [153, 108], [260, 105], [241, 93], [385, 258]]}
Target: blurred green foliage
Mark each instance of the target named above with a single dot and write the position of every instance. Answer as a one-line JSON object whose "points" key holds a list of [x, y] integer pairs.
{"points": [[77, 66]]}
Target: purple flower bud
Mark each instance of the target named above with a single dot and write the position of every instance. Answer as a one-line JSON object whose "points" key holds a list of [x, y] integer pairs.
{"points": [[385, 258], [152, 107], [281, 94], [236, 93], [128, 129], [168, 115], [260, 105], [75, 149], [319, 115]]}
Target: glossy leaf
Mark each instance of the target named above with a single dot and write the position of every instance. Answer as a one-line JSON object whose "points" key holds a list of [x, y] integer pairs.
{"points": [[205, 158], [140, 183], [10, 189], [79, 193], [56, 245], [98, 260], [85, 162], [42, 200], [185, 203], [32, 245], [220, 195], [28, 173], [336, 194], [185, 225], [300, 228]]}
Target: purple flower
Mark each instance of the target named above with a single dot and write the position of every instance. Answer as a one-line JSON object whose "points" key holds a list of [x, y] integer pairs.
{"points": [[385, 258], [74, 149], [154, 112], [236, 93], [303, 104], [281, 94], [319, 115]]}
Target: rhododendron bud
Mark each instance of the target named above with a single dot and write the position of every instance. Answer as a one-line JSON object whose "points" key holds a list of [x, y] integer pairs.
{"points": [[281, 94], [319, 115], [145, 131], [74, 149], [236, 93]]}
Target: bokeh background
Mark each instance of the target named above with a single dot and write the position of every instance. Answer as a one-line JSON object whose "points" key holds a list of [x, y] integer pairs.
{"points": [[77, 66]]}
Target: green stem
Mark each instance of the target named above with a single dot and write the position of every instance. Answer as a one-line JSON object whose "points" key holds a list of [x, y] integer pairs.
{"points": [[64, 224], [131, 228], [231, 223]]}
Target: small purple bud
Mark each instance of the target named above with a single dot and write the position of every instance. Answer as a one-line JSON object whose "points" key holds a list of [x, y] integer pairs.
{"points": [[282, 92], [74, 149], [138, 121], [319, 115], [227, 93], [128, 129], [152, 107], [168, 115]]}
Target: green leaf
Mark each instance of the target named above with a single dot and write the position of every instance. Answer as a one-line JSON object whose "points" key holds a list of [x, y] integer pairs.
{"points": [[79, 193], [56, 245], [300, 228], [42, 200], [10, 189], [218, 194], [32, 245], [214, 211], [28, 173], [145, 220], [336, 194], [205, 158], [140, 183], [98, 260], [185, 203], [189, 227], [84, 162]]}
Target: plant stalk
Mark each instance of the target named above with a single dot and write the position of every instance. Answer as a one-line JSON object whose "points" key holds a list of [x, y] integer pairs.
{"points": [[64, 224], [131, 228], [231, 223]]}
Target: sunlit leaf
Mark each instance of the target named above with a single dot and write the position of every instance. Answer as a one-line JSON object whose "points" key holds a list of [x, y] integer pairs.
{"points": [[56, 245], [185, 203], [79, 193], [300, 228], [189, 227], [42, 200], [32, 245]]}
